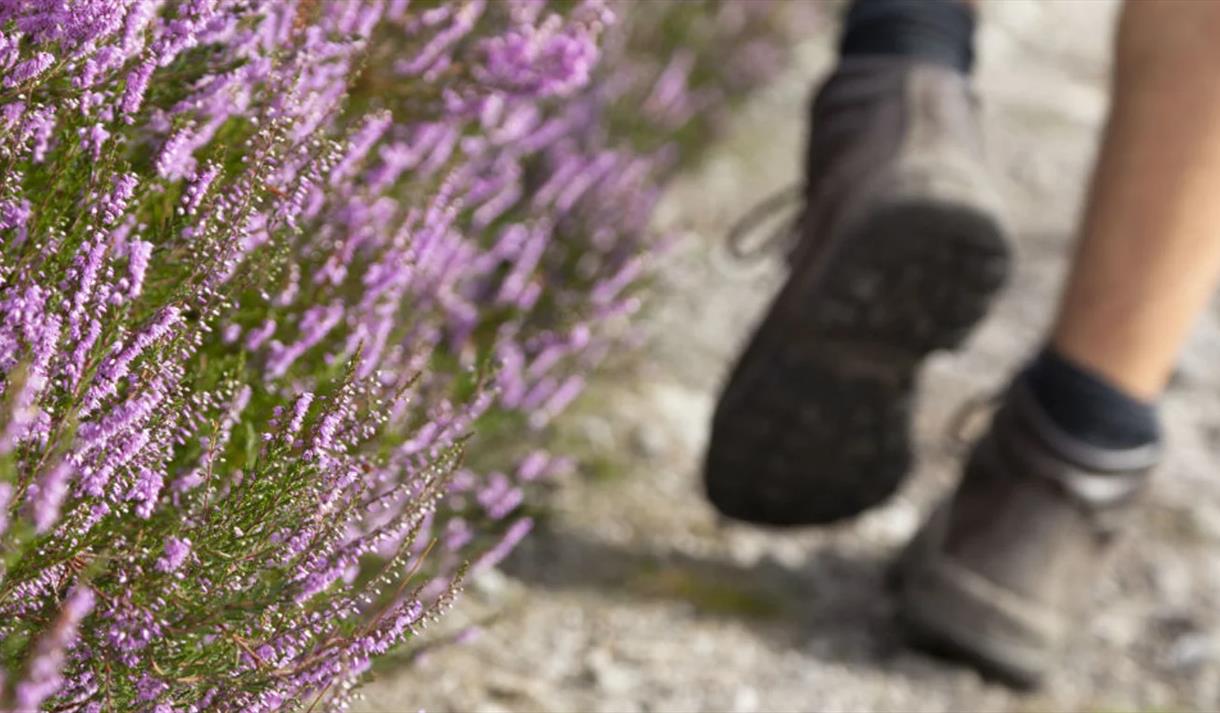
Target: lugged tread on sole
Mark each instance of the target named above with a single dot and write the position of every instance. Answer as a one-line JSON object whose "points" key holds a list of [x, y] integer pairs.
{"points": [[912, 279]]}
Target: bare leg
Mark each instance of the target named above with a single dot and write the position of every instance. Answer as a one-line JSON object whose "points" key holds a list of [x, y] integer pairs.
{"points": [[1149, 255]]}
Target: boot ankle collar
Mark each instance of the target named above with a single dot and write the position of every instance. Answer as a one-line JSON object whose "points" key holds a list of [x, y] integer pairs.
{"points": [[1102, 461], [1097, 478]]}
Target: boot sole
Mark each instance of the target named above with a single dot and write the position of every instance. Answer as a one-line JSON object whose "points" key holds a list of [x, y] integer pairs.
{"points": [[943, 617], [812, 426]]}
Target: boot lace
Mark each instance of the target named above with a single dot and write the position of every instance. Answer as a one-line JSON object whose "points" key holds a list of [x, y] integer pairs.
{"points": [[782, 206], [964, 425]]}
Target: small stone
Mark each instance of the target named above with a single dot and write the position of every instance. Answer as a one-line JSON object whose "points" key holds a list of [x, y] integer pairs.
{"points": [[647, 441], [745, 699], [608, 674], [491, 584], [1191, 651]]}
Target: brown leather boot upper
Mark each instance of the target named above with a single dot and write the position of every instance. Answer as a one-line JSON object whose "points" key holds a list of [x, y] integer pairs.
{"points": [[1004, 565], [888, 129]]}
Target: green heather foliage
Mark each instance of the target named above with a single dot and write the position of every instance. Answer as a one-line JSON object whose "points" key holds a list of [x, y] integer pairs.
{"points": [[289, 293]]}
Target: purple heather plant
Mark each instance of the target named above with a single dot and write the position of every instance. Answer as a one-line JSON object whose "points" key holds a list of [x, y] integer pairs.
{"points": [[265, 266]]}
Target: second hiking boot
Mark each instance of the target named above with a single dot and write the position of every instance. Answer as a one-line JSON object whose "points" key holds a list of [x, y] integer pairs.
{"points": [[1005, 568], [900, 252]]}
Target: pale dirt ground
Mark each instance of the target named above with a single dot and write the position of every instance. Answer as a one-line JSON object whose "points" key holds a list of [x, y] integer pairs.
{"points": [[633, 597]]}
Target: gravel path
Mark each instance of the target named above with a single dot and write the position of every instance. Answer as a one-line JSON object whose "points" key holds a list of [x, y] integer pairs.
{"points": [[633, 597]]}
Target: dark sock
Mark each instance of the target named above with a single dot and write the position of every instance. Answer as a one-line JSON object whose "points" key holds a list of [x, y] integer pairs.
{"points": [[940, 31], [1087, 406]]}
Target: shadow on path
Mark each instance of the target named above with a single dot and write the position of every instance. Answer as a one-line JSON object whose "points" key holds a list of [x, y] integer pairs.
{"points": [[834, 606]]}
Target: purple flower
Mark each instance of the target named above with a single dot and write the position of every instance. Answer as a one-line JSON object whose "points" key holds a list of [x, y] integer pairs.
{"points": [[298, 413], [149, 688], [515, 533], [197, 189], [139, 16], [117, 367], [94, 138], [361, 142], [174, 554], [38, 127], [258, 335], [541, 60], [148, 483], [138, 252], [176, 159], [14, 215], [44, 672], [29, 69], [137, 86], [111, 205], [46, 496], [433, 54], [6, 495], [316, 324]]}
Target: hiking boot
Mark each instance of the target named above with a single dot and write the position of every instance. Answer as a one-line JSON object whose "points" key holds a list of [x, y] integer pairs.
{"points": [[898, 253], [1001, 569]]}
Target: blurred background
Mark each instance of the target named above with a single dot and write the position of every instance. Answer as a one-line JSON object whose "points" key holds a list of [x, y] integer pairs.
{"points": [[631, 596]]}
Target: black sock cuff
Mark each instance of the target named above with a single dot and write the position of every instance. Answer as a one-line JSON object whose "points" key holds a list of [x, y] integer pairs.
{"points": [[940, 31], [1088, 406]]}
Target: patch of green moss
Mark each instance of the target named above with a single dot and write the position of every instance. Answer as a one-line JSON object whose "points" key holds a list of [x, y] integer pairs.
{"points": [[709, 594]]}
